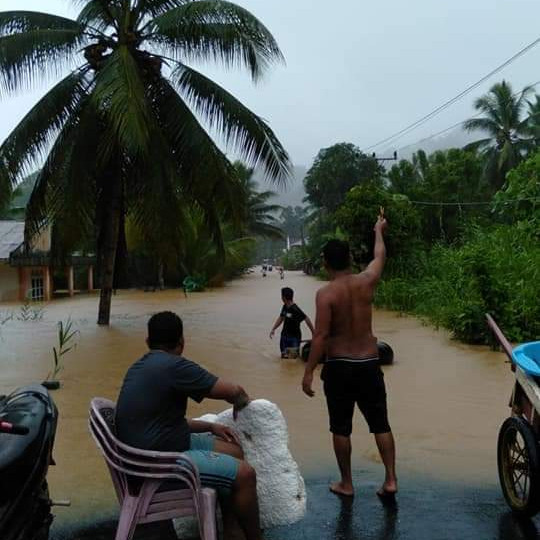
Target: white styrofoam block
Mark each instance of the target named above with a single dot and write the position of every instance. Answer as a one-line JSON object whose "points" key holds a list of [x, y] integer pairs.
{"points": [[263, 434]]}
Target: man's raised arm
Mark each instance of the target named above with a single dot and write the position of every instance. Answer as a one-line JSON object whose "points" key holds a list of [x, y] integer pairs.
{"points": [[375, 268], [231, 393]]}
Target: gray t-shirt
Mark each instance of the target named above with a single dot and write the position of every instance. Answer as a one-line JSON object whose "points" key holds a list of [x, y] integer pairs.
{"points": [[151, 407]]}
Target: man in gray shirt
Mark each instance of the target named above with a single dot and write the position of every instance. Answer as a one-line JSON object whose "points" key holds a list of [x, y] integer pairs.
{"points": [[150, 414]]}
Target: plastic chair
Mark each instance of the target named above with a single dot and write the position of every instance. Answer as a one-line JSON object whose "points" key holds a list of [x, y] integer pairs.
{"points": [[142, 480]]}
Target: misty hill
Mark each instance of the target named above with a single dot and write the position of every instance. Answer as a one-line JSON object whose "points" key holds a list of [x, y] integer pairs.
{"points": [[292, 194]]}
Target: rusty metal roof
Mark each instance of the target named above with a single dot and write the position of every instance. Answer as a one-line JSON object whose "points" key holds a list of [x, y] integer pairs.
{"points": [[11, 237]]}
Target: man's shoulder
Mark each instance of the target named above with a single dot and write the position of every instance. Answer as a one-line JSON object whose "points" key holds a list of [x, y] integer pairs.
{"points": [[335, 289], [297, 309], [326, 290]]}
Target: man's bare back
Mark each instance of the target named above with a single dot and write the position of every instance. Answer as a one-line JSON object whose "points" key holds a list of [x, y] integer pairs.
{"points": [[350, 298], [352, 375]]}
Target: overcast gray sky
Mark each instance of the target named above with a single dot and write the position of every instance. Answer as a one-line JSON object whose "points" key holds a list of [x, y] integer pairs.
{"points": [[358, 71]]}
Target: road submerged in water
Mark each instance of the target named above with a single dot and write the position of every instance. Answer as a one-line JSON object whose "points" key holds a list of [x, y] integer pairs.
{"points": [[446, 402]]}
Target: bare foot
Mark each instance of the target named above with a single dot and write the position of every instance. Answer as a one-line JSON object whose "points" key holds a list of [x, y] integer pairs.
{"points": [[388, 489], [338, 488]]}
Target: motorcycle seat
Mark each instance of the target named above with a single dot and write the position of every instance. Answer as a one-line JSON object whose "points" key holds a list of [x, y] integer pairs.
{"points": [[19, 453]]}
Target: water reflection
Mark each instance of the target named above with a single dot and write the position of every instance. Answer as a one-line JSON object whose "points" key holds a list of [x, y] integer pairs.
{"points": [[346, 528]]}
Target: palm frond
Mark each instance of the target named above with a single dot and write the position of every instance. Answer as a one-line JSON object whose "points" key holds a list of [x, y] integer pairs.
{"points": [[218, 31], [489, 105], [31, 57], [153, 8], [195, 153], [267, 209], [243, 131], [266, 230], [99, 15], [27, 144], [120, 91], [479, 145], [206, 174], [482, 124], [17, 22], [65, 188]]}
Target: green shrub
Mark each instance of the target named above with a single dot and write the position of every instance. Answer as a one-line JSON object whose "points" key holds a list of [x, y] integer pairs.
{"points": [[495, 272]]}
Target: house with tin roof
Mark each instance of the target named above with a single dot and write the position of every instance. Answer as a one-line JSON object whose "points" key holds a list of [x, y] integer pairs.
{"points": [[11, 237], [28, 271]]}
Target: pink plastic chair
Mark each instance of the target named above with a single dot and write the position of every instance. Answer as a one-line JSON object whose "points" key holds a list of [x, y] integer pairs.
{"points": [[138, 475]]}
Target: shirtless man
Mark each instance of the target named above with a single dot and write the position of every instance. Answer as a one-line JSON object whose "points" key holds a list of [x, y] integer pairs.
{"points": [[351, 373]]}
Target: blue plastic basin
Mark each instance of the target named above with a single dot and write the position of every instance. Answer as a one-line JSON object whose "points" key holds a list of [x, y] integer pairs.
{"points": [[527, 357]]}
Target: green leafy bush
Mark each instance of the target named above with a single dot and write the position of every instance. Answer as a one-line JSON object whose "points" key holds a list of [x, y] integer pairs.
{"points": [[495, 272]]}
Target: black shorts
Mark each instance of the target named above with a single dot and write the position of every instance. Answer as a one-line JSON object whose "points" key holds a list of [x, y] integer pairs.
{"points": [[350, 383]]}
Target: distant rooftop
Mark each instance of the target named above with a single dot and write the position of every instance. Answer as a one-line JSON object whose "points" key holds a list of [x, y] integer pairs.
{"points": [[11, 237]]}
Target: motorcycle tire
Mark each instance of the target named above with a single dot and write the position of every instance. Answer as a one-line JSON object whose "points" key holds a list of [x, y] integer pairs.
{"points": [[386, 354]]}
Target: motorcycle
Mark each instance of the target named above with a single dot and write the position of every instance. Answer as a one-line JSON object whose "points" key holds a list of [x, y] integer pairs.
{"points": [[28, 419]]}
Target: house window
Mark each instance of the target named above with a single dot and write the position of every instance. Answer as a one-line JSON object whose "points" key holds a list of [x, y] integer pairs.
{"points": [[36, 285]]}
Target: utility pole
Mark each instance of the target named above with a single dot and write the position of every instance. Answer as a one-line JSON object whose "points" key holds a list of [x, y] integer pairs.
{"points": [[393, 158]]}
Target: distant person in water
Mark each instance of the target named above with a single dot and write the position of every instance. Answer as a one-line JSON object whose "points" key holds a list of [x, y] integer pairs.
{"points": [[291, 316], [281, 272], [351, 374], [150, 414]]}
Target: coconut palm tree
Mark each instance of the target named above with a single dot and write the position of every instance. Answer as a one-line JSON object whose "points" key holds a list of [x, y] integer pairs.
{"points": [[533, 121], [506, 128], [259, 215], [121, 133], [199, 257]]}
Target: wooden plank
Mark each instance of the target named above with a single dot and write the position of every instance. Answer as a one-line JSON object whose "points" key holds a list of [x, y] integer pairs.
{"points": [[501, 338], [530, 387]]}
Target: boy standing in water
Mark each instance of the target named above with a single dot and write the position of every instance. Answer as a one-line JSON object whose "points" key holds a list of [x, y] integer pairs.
{"points": [[351, 374], [291, 317]]}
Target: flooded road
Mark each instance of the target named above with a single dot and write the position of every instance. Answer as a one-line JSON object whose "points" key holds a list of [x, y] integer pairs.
{"points": [[446, 400]]}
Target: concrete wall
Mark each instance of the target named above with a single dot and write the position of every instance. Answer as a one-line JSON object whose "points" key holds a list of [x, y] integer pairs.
{"points": [[9, 283]]}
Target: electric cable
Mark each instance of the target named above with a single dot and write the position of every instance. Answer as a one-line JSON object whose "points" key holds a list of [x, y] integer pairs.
{"points": [[456, 98]]}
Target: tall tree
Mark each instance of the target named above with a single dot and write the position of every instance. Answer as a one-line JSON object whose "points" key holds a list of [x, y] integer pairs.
{"points": [[120, 134], [533, 122], [335, 171], [447, 176], [504, 124]]}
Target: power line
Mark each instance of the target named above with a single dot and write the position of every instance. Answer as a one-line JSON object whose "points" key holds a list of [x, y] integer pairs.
{"points": [[479, 203], [456, 98], [458, 124]]}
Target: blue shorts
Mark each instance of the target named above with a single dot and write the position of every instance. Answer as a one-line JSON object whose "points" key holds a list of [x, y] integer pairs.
{"points": [[216, 470], [288, 342]]}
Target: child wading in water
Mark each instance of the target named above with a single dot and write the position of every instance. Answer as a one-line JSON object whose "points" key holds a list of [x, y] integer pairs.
{"points": [[291, 317]]}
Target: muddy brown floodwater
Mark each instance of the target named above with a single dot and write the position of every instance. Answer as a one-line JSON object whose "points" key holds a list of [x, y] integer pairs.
{"points": [[446, 400]]}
